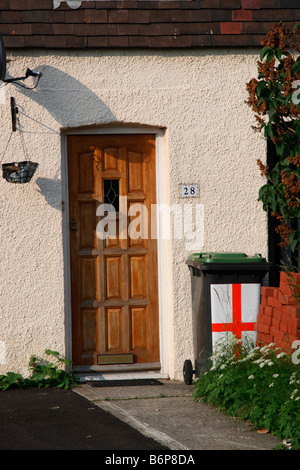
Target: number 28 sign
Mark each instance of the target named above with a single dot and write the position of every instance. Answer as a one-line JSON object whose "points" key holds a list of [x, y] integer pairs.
{"points": [[189, 190]]}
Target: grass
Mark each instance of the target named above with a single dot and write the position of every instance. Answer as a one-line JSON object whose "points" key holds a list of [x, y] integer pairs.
{"points": [[260, 385]]}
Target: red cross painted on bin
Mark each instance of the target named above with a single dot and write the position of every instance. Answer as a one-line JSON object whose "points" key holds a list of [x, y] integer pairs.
{"points": [[237, 326]]}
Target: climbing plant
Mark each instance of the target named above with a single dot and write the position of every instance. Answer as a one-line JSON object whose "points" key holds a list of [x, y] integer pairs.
{"points": [[274, 97]]}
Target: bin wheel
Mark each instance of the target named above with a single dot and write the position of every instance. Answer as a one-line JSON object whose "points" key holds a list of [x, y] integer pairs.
{"points": [[188, 372]]}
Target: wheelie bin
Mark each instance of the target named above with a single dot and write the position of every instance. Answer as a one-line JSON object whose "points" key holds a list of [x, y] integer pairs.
{"points": [[225, 297]]}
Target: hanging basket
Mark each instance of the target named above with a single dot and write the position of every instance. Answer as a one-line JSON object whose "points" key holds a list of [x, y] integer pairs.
{"points": [[19, 172]]}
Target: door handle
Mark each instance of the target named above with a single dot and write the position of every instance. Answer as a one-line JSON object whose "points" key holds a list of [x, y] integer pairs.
{"points": [[74, 225]]}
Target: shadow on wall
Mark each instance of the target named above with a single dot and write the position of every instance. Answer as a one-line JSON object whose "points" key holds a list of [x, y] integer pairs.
{"points": [[50, 189], [70, 103]]}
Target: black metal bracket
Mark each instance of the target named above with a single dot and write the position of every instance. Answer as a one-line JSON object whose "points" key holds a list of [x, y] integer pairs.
{"points": [[28, 73], [14, 112]]}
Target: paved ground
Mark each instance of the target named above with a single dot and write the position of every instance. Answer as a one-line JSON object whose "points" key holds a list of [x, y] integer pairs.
{"points": [[149, 418], [169, 415]]}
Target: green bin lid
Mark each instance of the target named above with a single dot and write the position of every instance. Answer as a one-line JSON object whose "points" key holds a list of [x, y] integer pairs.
{"points": [[225, 258]]}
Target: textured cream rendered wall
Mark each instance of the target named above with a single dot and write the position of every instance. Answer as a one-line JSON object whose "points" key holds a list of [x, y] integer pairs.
{"points": [[198, 98]]}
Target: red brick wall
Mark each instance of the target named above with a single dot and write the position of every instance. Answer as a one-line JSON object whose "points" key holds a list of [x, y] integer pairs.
{"points": [[278, 320]]}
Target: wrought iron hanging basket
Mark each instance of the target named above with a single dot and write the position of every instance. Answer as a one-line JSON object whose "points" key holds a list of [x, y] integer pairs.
{"points": [[19, 172]]}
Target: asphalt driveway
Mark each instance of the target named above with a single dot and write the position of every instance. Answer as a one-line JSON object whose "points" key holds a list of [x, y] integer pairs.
{"points": [[54, 419]]}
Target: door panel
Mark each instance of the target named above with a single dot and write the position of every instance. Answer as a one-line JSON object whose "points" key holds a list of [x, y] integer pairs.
{"points": [[114, 280]]}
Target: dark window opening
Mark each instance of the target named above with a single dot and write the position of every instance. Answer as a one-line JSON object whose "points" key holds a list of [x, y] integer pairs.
{"points": [[111, 193]]}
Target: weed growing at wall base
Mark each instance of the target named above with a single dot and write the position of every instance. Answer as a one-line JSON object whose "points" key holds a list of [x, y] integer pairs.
{"points": [[260, 385], [43, 374]]}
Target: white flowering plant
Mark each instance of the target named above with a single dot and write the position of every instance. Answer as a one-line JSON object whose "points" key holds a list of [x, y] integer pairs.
{"points": [[260, 385]]}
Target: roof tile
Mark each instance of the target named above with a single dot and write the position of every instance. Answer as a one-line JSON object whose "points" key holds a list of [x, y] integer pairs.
{"points": [[142, 23]]}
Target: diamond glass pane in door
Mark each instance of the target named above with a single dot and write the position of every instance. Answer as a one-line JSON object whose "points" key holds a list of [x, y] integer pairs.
{"points": [[111, 193]]}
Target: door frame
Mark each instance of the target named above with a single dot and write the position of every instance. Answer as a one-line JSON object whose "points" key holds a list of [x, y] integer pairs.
{"points": [[162, 244]]}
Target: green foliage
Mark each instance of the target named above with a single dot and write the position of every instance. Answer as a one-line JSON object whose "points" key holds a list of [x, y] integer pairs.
{"points": [[274, 96], [43, 374], [260, 385], [11, 380]]}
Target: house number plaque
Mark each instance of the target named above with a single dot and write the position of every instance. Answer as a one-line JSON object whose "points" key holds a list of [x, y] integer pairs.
{"points": [[189, 190]]}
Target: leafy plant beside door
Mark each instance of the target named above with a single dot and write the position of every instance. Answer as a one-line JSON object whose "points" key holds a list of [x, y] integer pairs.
{"points": [[44, 374], [274, 97]]}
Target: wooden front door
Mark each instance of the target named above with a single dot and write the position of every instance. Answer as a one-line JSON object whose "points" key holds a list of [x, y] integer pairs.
{"points": [[114, 290]]}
